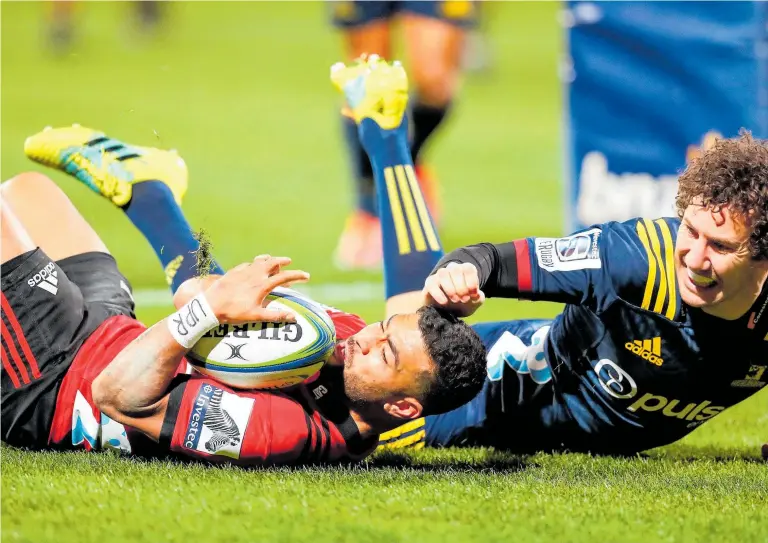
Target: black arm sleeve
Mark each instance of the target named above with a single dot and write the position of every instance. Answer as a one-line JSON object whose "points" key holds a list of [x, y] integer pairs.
{"points": [[176, 388], [496, 266]]}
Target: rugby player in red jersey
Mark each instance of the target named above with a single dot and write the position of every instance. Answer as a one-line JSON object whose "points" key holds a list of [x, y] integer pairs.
{"points": [[78, 371]]}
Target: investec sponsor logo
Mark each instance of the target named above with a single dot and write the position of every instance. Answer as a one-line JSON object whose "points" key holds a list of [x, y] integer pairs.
{"points": [[199, 409], [606, 196], [46, 279], [647, 349], [619, 384]]}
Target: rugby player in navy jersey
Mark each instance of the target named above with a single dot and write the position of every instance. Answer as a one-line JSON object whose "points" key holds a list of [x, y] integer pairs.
{"points": [[665, 324]]}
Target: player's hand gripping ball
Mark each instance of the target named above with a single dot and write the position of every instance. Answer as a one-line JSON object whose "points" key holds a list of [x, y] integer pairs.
{"points": [[261, 354]]}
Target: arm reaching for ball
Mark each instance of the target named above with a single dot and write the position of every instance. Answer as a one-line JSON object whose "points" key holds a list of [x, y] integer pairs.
{"points": [[133, 388]]}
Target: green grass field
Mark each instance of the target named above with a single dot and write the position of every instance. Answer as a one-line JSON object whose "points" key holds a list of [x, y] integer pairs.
{"points": [[241, 89]]}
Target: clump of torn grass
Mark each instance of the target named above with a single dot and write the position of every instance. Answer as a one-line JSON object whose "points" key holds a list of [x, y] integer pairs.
{"points": [[203, 254]]}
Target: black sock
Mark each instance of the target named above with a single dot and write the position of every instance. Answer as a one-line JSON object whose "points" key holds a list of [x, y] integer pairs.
{"points": [[362, 172], [159, 218], [425, 119]]}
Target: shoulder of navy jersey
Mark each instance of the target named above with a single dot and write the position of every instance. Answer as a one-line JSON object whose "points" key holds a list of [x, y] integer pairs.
{"points": [[639, 255], [632, 261]]}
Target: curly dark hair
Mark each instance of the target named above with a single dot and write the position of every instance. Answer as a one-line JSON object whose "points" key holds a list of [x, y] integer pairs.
{"points": [[734, 174], [459, 357]]}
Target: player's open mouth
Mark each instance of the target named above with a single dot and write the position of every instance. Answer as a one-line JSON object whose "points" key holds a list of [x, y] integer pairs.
{"points": [[700, 281]]}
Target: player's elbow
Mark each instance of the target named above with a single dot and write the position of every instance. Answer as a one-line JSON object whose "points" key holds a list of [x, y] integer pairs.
{"points": [[106, 396], [101, 393], [122, 401]]}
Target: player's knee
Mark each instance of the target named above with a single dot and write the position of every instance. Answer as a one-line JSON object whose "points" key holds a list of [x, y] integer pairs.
{"points": [[434, 49], [435, 85], [371, 38], [30, 185]]}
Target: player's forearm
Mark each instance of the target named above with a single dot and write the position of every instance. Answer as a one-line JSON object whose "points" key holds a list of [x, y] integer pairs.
{"points": [[496, 267], [135, 383]]}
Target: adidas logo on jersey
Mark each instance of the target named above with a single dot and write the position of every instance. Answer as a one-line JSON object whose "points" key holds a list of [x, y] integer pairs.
{"points": [[46, 279], [647, 349]]}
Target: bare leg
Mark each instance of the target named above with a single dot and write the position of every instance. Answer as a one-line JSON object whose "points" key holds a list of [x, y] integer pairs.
{"points": [[434, 49], [359, 246], [372, 38], [15, 240], [61, 26], [49, 218]]}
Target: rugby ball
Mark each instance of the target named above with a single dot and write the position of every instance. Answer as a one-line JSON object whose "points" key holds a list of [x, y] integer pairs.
{"points": [[268, 355]]}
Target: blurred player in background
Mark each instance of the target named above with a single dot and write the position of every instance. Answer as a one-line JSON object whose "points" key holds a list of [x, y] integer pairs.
{"points": [[434, 38], [478, 54], [62, 20]]}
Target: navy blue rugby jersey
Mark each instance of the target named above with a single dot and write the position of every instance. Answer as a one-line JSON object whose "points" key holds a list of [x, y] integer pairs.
{"points": [[626, 352]]}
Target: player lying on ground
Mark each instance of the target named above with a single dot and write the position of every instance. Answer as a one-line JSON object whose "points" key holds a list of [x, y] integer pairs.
{"points": [[79, 371], [665, 324]]}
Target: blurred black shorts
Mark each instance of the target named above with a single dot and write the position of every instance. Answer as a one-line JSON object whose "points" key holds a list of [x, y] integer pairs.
{"points": [[351, 14]]}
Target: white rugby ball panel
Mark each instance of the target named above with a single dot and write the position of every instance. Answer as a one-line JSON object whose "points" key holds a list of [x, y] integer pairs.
{"points": [[318, 307]]}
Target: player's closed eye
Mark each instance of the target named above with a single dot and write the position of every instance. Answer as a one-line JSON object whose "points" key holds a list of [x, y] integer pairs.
{"points": [[383, 347]]}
